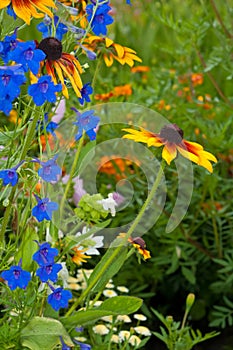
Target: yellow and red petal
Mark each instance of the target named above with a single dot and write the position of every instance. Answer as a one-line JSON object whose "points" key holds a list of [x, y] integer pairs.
{"points": [[60, 76], [169, 152]]}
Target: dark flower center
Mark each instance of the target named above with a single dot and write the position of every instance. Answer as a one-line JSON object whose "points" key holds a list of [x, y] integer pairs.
{"points": [[11, 174], [44, 252], [49, 269], [44, 87], [52, 47], [139, 241], [28, 55], [16, 274], [172, 133], [57, 295]]}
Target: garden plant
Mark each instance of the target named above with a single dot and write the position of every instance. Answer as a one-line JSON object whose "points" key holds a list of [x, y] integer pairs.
{"points": [[116, 174]]}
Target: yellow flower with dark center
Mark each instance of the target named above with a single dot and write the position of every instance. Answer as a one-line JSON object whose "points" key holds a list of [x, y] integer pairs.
{"points": [[111, 51], [60, 65], [26, 9], [171, 137], [79, 255]]}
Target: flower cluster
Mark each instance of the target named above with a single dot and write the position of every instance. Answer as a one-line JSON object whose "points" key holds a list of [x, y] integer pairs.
{"points": [[48, 271]]}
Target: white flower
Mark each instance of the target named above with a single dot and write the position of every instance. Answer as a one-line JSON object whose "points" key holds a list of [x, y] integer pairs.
{"points": [[94, 241], [123, 318], [142, 330], [107, 319], [64, 274], [109, 293], [134, 340], [110, 285], [140, 317], [124, 335], [98, 303], [80, 339], [109, 204], [100, 329], [123, 289], [115, 339]]}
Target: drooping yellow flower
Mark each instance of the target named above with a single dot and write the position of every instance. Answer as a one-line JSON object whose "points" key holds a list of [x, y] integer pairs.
{"points": [[111, 51], [140, 245], [26, 9], [171, 137], [61, 65], [80, 5]]}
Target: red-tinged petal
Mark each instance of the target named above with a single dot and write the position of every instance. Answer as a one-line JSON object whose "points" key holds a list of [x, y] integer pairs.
{"points": [[60, 76], [169, 152], [187, 154]]}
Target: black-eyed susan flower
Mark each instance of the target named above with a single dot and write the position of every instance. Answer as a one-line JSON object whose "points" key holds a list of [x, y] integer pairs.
{"points": [[111, 51], [26, 9], [60, 65], [171, 137]]}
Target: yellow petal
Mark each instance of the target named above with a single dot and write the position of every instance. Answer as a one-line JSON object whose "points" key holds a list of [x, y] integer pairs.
{"points": [[108, 42], [169, 153]]}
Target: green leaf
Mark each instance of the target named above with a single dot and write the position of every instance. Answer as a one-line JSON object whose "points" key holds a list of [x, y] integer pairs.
{"points": [[188, 274], [44, 333], [120, 305], [108, 266], [27, 248]]}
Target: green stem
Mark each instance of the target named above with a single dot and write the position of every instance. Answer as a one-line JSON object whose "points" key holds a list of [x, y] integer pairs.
{"points": [[124, 241], [26, 146], [73, 169]]}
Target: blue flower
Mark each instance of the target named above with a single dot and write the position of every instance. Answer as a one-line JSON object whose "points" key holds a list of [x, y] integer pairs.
{"points": [[11, 12], [44, 90], [50, 170], [59, 298], [50, 127], [87, 122], [48, 272], [7, 45], [11, 77], [28, 55], [101, 18], [128, 2], [16, 277], [82, 346], [45, 255], [46, 28], [64, 345], [85, 92], [43, 210], [10, 176]]}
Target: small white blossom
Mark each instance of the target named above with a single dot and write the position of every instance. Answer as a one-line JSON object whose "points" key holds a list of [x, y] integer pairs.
{"points": [[140, 317], [134, 340], [96, 240], [64, 274], [123, 289], [109, 293], [142, 330], [123, 318], [115, 339], [124, 335], [100, 329], [109, 204]]}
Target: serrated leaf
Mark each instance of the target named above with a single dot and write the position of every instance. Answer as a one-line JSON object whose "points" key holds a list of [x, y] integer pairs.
{"points": [[44, 333]]}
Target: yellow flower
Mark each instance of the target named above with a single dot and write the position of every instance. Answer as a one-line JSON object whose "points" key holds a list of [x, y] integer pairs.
{"points": [[26, 9], [171, 137], [79, 255], [60, 64], [111, 51]]}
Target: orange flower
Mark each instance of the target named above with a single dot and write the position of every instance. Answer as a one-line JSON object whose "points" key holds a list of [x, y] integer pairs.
{"points": [[140, 245], [162, 105], [140, 69], [79, 255], [122, 90], [110, 50], [197, 79], [26, 9], [116, 166], [103, 97], [60, 64], [171, 137]]}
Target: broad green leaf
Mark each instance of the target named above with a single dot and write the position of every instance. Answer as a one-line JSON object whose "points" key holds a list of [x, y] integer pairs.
{"points": [[120, 305], [44, 333]]}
